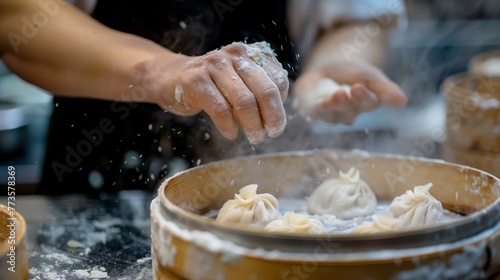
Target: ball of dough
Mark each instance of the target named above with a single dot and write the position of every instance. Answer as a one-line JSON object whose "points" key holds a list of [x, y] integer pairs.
{"points": [[345, 197], [417, 208], [327, 87], [296, 223], [250, 208], [324, 88]]}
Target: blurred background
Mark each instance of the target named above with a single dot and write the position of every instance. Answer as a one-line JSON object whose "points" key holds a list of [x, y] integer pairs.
{"points": [[438, 40]]}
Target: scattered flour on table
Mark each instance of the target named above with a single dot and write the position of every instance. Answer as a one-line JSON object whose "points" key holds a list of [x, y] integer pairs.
{"points": [[48, 274], [75, 244], [143, 260], [60, 258], [95, 273]]}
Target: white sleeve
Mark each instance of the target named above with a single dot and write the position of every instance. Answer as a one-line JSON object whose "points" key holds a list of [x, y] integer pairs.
{"points": [[383, 11], [307, 17]]}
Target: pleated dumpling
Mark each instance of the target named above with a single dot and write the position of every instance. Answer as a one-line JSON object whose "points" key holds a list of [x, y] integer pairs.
{"points": [[296, 223], [417, 208], [346, 197], [383, 221], [250, 208]]}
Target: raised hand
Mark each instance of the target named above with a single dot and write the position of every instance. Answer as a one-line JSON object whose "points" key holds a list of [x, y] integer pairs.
{"points": [[238, 84], [369, 89]]}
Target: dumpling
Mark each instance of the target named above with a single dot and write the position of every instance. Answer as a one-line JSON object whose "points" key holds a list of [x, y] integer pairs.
{"points": [[346, 197], [250, 208], [296, 223], [383, 221], [417, 208]]}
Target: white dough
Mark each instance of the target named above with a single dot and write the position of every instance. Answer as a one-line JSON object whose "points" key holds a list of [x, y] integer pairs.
{"points": [[417, 208], [250, 208], [346, 197], [383, 221], [296, 223], [327, 87], [324, 88]]}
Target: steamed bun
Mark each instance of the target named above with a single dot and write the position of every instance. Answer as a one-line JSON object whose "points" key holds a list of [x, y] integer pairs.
{"points": [[383, 221], [345, 197], [417, 208], [250, 208], [296, 223]]}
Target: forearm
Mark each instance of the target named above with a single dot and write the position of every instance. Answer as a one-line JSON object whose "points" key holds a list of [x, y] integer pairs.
{"points": [[73, 55], [365, 41]]}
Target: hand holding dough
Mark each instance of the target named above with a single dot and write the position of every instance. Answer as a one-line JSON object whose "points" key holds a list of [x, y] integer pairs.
{"points": [[368, 88]]}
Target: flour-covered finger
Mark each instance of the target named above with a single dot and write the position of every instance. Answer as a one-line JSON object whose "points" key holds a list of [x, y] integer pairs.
{"points": [[211, 100], [266, 93], [264, 56], [243, 101]]}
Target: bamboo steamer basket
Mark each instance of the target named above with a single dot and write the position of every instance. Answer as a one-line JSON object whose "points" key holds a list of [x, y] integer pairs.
{"points": [[488, 162], [15, 226], [465, 105], [189, 245], [486, 68], [474, 137], [472, 122]]}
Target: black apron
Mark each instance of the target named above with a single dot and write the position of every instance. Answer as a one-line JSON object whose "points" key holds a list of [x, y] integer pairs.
{"points": [[96, 146]]}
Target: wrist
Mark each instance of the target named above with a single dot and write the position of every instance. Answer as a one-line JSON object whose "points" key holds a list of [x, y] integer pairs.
{"points": [[158, 81]]}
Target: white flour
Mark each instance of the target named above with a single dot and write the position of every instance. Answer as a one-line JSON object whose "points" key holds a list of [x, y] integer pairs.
{"points": [[491, 66], [60, 258], [94, 273], [490, 103], [178, 94], [48, 274]]}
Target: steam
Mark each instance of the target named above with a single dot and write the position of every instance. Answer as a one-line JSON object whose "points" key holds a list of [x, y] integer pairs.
{"points": [[420, 58]]}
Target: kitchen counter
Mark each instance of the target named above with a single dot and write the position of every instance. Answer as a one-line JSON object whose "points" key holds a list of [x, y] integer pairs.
{"points": [[109, 237]]}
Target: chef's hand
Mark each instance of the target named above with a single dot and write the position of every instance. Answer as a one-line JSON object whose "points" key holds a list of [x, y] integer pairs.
{"points": [[239, 83], [370, 88]]}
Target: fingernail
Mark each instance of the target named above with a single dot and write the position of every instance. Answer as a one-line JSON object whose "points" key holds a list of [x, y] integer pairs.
{"points": [[229, 135], [276, 130], [341, 97]]}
